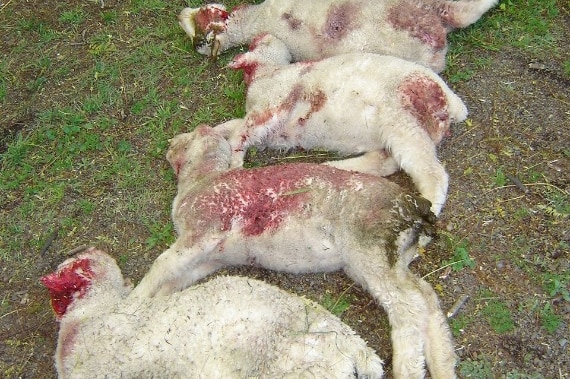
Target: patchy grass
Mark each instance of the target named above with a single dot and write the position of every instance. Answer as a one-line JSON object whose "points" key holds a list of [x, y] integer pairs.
{"points": [[336, 305], [498, 314], [525, 25]]}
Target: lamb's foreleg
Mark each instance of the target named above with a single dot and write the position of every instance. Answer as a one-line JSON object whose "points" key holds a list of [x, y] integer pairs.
{"points": [[228, 128], [252, 131], [378, 163], [178, 268]]}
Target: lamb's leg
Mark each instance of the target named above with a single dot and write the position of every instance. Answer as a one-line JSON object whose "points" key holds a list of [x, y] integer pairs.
{"points": [[406, 308], [440, 354], [176, 269], [378, 163], [251, 132], [416, 155]]}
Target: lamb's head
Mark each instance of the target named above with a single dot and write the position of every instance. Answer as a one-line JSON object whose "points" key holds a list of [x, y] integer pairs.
{"points": [[81, 277], [198, 153], [206, 26], [264, 50]]}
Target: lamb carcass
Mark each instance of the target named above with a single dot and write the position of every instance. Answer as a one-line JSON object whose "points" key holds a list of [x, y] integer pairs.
{"points": [[303, 218], [415, 30], [352, 103], [229, 327]]}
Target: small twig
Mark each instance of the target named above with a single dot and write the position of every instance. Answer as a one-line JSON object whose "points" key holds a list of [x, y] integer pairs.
{"points": [[488, 298], [529, 185], [457, 306], [517, 182], [548, 185], [300, 156], [9, 313], [49, 241], [76, 250], [5, 5], [442, 268]]}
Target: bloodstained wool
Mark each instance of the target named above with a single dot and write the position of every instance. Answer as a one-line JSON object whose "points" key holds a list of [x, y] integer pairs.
{"points": [[340, 19], [293, 22], [316, 100], [420, 22], [67, 283], [259, 200], [210, 18], [425, 100]]}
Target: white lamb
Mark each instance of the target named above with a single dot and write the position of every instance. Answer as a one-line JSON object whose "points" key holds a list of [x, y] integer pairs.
{"points": [[304, 218], [229, 327], [351, 103], [415, 30]]}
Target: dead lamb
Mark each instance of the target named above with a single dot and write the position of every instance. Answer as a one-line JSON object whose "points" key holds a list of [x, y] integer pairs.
{"points": [[393, 110], [229, 327], [415, 30], [303, 218]]}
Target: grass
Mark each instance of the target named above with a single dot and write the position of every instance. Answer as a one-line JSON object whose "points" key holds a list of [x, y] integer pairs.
{"points": [[460, 249], [497, 313], [74, 146], [525, 25], [476, 368], [335, 305]]}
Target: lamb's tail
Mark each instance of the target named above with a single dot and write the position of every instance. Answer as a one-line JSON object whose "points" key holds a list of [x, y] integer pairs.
{"points": [[465, 12]]}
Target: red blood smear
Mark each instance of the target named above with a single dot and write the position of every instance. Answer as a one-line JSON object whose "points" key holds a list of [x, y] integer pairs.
{"points": [[339, 20], [426, 101], [259, 200], [419, 21], [208, 15], [67, 283]]}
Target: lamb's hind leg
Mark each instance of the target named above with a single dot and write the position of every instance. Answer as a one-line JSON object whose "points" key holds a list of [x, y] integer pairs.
{"points": [[440, 354], [176, 269], [406, 309]]}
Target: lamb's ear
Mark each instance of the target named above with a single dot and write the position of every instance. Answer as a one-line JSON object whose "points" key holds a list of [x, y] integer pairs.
{"points": [[70, 281], [239, 61], [176, 154]]}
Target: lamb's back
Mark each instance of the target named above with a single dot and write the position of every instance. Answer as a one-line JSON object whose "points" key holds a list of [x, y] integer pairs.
{"points": [[228, 327]]}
